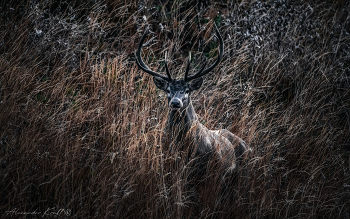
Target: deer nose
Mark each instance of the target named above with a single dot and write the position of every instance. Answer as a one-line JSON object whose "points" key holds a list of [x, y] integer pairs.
{"points": [[176, 103]]}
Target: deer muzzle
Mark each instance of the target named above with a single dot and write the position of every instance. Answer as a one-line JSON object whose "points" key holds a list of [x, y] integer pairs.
{"points": [[176, 103]]}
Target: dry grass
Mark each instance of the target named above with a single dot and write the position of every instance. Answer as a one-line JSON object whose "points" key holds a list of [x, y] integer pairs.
{"points": [[82, 128]]}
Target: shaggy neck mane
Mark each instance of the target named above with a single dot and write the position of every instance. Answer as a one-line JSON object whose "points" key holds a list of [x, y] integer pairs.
{"points": [[181, 121]]}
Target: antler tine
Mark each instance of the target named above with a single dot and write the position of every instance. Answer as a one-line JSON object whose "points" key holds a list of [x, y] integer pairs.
{"points": [[199, 72], [142, 65], [188, 66], [166, 66], [221, 52]]}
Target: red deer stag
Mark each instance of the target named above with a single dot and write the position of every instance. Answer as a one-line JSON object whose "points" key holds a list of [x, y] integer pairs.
{"points": [[183, 122]]}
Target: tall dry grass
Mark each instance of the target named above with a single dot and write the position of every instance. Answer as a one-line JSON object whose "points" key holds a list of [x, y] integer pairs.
{"points": [[82, 128]]}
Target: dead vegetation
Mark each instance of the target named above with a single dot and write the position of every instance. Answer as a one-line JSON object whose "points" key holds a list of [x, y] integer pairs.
{"points": [[82, 128]]}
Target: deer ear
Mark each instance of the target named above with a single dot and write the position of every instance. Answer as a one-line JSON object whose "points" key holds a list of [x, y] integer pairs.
{"points": [[196, 83], [160, 83]]}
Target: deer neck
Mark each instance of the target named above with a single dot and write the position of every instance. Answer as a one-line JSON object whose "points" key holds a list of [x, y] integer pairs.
{"points": [[181, 121]]}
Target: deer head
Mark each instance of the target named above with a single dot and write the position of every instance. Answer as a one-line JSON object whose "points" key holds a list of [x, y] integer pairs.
{"points": [[178, 91]]}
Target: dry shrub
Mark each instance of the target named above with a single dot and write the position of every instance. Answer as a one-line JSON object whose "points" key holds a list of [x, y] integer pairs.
{"points": [[83, 129]]}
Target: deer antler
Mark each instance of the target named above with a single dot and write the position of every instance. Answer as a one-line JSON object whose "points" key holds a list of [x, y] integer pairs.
{"points": [[202, 72], [144, 67], [166, 66]]}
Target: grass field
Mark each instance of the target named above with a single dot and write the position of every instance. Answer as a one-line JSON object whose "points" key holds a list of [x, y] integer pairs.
{"points": [[83, 130]]}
